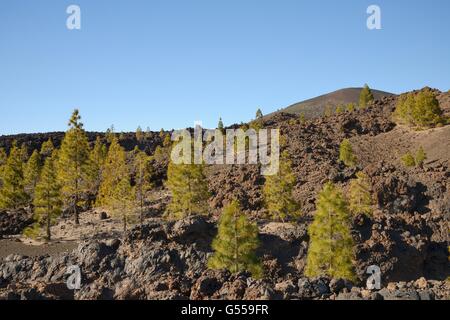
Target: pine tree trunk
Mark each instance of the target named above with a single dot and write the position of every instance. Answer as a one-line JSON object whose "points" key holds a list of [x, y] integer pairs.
{"points": [[48, 217]]}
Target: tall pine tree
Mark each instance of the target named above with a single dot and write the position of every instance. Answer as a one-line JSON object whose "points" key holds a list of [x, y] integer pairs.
{"points": [[115, 193], [278, 191], [330, 250], [47, 148], [189, 189], [47, 201], [31, 174], [142, 171], [12, 193], [97, 158], [73, 165], [365, 97], [236, 243], [346, 153], [360, 199]]}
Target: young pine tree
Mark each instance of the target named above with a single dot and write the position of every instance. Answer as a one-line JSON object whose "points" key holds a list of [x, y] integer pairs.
{"points": [[408, 160], [97, 158], [330, 250], [142, 179], [47, 201], [189, 188], [139, 134], [31, 174], [259, 114], [115, 193], [365, 97], [236, 243], [421, 156], [73, 165], [12, 193], [346, 153], [360, 198], [278, 191], [220, 126], [47, 148]]}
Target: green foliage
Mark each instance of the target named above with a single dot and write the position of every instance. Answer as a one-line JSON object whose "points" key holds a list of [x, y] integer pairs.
{"points": [[408, 160], [97, 158], [278, 191], [350, 107], [340, 109], [236, 243], [365, 97], [3, 159], [115, 193], [110, 134], [167, 142], [346, 153], [189, 189], [31, 174], [12, 193], [259, 114], [73, 165], [143, 174], [139, 134], [330, 250], [328, 112], [360, 198], [47, 201], [24, 153], [419, 109], [421, 156], [47, 148], [302, 118], [220, 125]]}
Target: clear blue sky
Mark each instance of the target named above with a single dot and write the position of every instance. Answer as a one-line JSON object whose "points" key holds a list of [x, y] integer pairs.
{"points": [[167, 63]]}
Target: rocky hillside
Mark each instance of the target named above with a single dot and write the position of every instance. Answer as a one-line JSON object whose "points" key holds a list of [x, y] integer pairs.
{"points": [[315, 107], [407, 236]]}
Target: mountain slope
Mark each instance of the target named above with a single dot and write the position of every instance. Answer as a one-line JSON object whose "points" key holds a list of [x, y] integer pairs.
{"points": [[315, 107]]}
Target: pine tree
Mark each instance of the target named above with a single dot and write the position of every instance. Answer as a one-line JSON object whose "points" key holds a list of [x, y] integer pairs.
{"points": [[3, 159], [278, 191], [139, 134], [365, 97], [96, 162], [408, 160], [24, 153], [116, 194], [328, 112], [340, 109], [360, 199], [259, 114], [302, 118], [346, 153], [47, 148], [110, 133], [47, 201], [220, 126], [421, 156], [420, 109], [31, 174], [73, 165], [167, 142], [142, 179], [350, 107], [236, 243], [189, 188], [12, 193], [330, 250]]}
